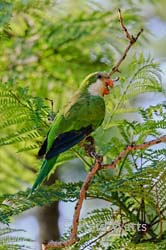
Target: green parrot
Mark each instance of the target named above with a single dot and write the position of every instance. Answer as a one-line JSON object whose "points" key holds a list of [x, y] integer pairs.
{"points": [[81, 116]]}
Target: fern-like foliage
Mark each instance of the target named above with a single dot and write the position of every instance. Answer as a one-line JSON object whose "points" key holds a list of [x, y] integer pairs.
{"points": [[9, 239], [24, 118], [15, 204], [143, 75], [5, 16], [21, 113], [52, 61], [136, 190]]}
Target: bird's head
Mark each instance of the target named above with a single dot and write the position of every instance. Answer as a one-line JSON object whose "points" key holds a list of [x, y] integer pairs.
{"points": [[104, 83], [98, 84]]}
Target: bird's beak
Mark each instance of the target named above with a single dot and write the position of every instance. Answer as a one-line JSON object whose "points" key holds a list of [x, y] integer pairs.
{"points": [[109, 82], [106, 91]]}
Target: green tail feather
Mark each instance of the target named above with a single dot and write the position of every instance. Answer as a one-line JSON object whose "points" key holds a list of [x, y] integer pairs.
{"points": [[43, 172]]}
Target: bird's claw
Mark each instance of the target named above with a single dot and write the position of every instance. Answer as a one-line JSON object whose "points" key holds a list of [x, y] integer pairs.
{"points": [[96, 156]]}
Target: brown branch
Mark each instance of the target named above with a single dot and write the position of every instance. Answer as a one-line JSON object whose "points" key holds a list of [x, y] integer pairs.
{"points": [[82, 195], [131, 148], [132, 39], [97, 166]]}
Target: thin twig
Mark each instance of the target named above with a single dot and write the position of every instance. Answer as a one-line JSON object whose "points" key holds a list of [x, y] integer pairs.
{"points": [[132, 39], [130, 148], [97, 166]]}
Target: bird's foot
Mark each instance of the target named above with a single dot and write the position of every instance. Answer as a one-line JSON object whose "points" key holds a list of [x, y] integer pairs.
{"points": [[89, 146], [96, 156]]}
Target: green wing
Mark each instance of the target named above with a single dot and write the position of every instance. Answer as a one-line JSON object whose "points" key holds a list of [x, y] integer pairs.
{"points": [[85, 111], [84, 114]]}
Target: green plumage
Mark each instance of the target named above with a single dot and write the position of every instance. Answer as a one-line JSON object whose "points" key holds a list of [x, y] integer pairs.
{"points": [[83, 114], [85, 110], [44, 171]]}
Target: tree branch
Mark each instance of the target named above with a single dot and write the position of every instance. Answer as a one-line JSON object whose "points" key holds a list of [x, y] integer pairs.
{"points": [[132, 39], [82, 196], [97, 166], [131, 148]]}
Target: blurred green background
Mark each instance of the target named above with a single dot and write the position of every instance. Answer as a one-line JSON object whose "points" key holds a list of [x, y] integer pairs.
{"points": [[49, 47]]}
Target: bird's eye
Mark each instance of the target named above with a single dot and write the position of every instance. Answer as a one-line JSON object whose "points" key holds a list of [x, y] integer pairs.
{"points": [[99, 76]]}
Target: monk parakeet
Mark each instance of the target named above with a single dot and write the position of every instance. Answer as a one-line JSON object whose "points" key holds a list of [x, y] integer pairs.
{"points": [[82, 115]]}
